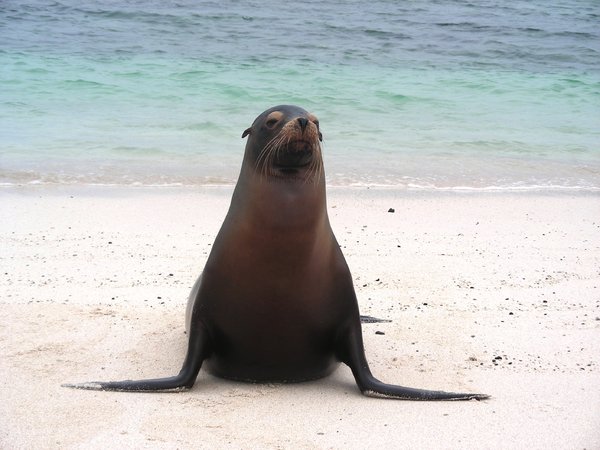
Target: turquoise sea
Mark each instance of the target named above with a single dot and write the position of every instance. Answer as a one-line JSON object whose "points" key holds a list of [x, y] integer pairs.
{"points": [[438, 94]]}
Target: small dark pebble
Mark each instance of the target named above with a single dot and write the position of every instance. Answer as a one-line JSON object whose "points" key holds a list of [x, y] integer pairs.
{"points": [[498, 357], [391, 210], [379, 332]]}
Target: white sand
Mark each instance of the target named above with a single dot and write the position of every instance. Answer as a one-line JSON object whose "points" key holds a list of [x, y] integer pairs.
{"points": [[94, 283]]}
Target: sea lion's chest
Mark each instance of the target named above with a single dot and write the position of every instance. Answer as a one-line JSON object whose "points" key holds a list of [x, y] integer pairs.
{"points": [[272, 313], [270, 290]]}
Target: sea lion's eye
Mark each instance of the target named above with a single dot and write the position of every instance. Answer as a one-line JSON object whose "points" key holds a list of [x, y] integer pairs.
{"points": [[273, 119], [316, 122]]}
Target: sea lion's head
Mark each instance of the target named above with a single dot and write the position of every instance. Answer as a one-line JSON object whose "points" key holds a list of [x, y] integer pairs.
{"points": [[284, 143]]}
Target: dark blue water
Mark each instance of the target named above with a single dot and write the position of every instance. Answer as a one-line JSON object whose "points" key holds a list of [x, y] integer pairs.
{"points": [[432, 94]]}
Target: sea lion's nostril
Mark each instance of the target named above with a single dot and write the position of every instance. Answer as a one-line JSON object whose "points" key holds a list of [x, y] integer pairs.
{"points": [[303, 122]]}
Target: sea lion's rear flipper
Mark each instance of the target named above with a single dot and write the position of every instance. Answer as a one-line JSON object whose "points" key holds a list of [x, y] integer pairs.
{"points": [[198, 350], [351, 352]]}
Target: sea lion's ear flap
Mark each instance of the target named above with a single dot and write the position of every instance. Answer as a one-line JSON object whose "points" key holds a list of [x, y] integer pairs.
{"points": [[320, 136], [246, 132]]}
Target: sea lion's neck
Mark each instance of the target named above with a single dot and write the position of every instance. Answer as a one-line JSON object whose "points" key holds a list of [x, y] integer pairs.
{"points": [[279, 204]]}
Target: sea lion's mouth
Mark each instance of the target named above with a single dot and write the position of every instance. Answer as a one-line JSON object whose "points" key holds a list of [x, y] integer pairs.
{"points": [[296, 155], [292, 155]]}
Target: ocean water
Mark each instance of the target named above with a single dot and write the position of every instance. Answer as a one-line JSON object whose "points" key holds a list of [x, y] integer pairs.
{"points": [[442, 94]]}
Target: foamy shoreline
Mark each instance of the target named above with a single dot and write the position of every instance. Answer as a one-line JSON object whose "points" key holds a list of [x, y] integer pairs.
{"points": [[492, 292]]}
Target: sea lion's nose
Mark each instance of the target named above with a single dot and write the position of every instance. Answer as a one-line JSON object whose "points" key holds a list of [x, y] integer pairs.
{"points": [[303, 122]]}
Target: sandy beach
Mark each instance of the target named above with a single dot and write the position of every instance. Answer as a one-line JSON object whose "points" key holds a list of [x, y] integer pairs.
{"points": [[486, 292]]}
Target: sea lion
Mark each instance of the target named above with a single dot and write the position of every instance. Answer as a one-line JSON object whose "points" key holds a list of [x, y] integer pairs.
{"points": [[276, 302]]}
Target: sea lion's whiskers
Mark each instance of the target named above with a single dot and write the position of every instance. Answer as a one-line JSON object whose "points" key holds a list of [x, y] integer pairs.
{"points": [[287, 136], [265, 159], [265, 151], [315, 168], [274, 152], [314, 172]]}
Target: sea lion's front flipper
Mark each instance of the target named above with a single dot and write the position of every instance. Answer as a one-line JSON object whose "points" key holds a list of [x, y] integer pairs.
{"points": [[198, 350], [350, 351]]}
